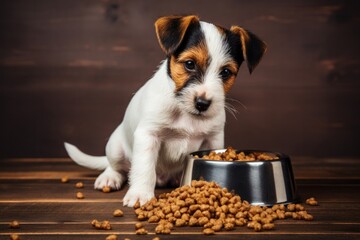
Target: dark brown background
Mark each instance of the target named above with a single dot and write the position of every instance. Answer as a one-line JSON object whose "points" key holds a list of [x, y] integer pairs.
{"points": [[69, 68]]}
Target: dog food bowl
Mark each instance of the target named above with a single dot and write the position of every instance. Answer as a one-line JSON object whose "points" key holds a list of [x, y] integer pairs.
{"points": [[260, 182]]}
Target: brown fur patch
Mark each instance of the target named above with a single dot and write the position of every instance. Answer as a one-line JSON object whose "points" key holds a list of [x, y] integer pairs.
{"points": [[233, 67], [178, 73], [199, 54], [171, 30]]}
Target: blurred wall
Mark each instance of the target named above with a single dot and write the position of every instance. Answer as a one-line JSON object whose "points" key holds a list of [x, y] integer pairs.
{"points": [[69, 68]]}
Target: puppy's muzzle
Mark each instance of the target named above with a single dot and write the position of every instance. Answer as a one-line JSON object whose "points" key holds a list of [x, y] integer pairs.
{"points": [[202, 104]]}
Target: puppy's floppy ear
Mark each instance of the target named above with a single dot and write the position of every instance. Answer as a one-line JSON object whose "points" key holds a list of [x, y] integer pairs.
{"points": [[253, 48], [171, 30]]}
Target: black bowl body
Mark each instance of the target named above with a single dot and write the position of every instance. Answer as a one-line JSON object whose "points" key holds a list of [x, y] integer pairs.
{"points": [[259, 182]]}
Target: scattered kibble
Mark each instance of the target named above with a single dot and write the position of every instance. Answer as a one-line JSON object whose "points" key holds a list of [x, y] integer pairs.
{"points": [[80, 195], [208, 205], [232, 155], [79, 185], [106, 189], [104, 225], [311, 201], [65, 179], [112, 237], [118, 213], [14, 224]]}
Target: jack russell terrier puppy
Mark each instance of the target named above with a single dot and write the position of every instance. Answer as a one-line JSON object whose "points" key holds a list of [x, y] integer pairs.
{"points": [[181, 109]]}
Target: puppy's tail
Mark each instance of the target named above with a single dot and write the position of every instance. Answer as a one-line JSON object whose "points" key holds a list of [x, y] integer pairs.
{"points": [[93, 162]]}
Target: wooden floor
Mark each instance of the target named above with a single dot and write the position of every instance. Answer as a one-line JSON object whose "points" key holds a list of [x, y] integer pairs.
{"points": [[31, 193]]}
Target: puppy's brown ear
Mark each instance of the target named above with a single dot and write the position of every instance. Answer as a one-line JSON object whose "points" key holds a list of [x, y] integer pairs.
{"points": [[253, 48], [171, 30]]}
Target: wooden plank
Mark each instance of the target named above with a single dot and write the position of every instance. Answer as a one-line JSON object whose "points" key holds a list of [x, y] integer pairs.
{"points": [[87, 211], [78, 228], [281, 231], [253, 236], [39, 190], [53, 168]]}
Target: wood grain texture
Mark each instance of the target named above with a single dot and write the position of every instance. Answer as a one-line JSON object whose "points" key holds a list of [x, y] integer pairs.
{"points": [[47, 209]]}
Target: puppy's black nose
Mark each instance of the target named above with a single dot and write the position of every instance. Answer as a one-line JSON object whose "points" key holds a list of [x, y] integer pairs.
{"points": [[202, 104]]}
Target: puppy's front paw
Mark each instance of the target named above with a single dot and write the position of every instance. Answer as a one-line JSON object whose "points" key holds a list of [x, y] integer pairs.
{"points": [[134, 195], [110, 178]]}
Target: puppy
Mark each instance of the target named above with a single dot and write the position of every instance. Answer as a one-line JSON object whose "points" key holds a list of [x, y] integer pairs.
{"points": [[181, 109]]}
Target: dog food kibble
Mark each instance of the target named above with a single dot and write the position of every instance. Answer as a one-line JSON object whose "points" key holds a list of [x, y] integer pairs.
{"points": [[80, 195], [104, 225], [312, 201], [14, 224], [208, 205], [231, 155], [138, 225], [208, 231], [106, 189], [65, 179], [156, 238], [79, 185], [141, 231], [118, 213], [14, 237], [112, 237]]}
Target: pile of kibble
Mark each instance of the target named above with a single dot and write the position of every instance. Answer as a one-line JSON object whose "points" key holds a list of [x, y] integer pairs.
{"points": [[230, 154], [208, 205]]}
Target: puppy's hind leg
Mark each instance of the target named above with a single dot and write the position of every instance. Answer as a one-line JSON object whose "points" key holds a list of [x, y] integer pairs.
{"points": [[115, 174]]}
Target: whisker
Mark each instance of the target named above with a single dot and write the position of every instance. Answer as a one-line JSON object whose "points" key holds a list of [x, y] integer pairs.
{"points": [[237, 101], [231, 109]]}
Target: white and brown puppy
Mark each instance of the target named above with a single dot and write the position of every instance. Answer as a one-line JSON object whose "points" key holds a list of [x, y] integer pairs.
{"points": [[181, 109]]}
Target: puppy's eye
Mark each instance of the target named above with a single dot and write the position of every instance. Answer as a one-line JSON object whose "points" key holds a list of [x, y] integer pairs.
{"points": [[225, 74], [189, 65]]}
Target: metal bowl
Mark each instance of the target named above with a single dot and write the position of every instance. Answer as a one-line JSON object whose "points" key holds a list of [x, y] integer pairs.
{"points": [[264, 182]]}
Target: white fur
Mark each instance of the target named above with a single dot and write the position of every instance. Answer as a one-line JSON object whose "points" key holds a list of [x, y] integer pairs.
{"points": [[160, 129]]}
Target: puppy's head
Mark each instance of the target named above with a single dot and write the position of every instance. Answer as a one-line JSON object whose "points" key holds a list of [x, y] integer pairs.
{"points": [[204, 59]]}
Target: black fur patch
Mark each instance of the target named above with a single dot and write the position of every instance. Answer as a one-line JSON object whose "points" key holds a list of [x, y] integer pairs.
{"points": [[235, 47]]}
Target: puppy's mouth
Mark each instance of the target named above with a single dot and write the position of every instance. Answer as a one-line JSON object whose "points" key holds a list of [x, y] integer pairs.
{"points": [[197, 113]]}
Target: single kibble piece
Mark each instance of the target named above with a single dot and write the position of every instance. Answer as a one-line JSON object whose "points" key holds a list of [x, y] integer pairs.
{"points": [[138, 225], [14, 224], [268, 226], [141, 231], [106, 189], [208, 231], [112, 237], [137, 205], [80, 195], [14, 237], [79, 185], [118, 213], [312, 201], [156, 238], [65, 179]]}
